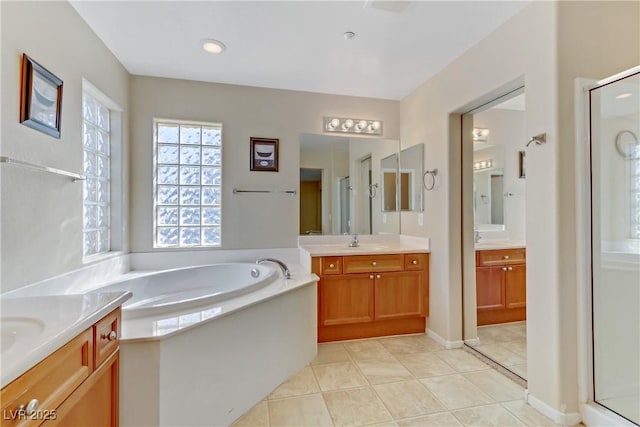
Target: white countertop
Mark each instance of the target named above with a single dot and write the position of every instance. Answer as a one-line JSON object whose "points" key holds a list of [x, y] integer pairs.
{"points": [[487, 245], [369, 245], [35, 327]]}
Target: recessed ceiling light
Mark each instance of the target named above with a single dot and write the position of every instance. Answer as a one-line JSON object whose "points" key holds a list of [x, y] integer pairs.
{"points": [[349, 35], [215, 47], [623, 95]]}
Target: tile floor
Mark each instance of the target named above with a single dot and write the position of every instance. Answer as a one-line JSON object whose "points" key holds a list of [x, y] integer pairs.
{"points": [[394, 381], [505, 344]]}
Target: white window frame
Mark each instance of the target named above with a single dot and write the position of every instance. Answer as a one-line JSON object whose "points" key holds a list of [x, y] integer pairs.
{"points": [[201, 205], [116, 179]]}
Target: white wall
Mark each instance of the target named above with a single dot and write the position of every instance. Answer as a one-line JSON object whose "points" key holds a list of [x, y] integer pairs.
{"points": [[547, 45], [249, 220], [41, 214]]}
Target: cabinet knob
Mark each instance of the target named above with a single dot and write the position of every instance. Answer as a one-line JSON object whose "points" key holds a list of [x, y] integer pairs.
{"points": [[374, 263], [414, 262], [504, 268], [30, 408], [111, 336], [510, 268], [378, 276], [371, 276], [332, 266], [506, 257]]}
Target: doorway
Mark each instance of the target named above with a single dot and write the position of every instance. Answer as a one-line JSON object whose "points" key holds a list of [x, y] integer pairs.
{"points": [[310, 201], [497, 279]]}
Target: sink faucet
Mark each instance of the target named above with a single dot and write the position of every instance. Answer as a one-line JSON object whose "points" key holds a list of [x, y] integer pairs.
{"points": [[354, 241], [282, 265], [476, 236]]}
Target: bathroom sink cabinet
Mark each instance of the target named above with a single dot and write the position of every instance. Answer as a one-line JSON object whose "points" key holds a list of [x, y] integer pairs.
{"points": [[364, 296], [77, 385], [501, 286]]}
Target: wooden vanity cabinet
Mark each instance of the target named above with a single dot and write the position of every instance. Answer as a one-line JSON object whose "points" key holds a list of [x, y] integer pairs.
{"points": [[362, 296], [77, 385], [501, 286]]}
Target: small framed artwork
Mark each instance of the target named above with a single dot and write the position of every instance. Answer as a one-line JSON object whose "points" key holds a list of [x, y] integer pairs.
{"points": [[40, 98], [264, 154], [522, 165]]}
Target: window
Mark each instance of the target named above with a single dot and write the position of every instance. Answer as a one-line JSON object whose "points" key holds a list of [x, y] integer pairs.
{"points": [[96, 212], [187, 184]]}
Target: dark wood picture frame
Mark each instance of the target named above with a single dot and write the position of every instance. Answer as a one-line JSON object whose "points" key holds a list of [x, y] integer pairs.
{"points": [[522, 166], [40, 98], [264, 154]]}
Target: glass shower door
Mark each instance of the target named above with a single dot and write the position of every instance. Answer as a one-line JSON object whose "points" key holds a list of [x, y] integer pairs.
{"points": [[615, 212]]}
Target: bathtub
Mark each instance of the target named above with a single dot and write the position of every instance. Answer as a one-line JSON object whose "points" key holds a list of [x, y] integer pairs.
{"points": [[184, 288]]}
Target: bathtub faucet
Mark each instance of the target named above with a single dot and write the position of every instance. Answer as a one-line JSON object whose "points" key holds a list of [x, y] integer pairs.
{"points": [[283, 266]]}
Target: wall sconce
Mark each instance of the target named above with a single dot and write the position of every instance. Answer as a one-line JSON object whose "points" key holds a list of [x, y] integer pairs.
{"points": [[483, 164], [346, 125], [480, 134]]}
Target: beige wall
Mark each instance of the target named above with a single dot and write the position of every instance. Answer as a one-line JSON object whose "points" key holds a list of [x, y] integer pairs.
{"points": [[546, 45], [249, 220], [41, 214]]}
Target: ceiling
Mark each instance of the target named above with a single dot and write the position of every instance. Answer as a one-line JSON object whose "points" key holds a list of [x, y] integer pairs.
{"points": [[297, 45]]}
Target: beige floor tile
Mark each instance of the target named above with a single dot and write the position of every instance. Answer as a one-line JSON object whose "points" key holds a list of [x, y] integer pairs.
{"points": [[304, 382], [387, 370], [491, 415], [337, 376], [461, 361], [410, 344], [356, 407], [496, 385], [520, 369], [366, 349], [518, 347], [528, 414], [496, 334], [387, 424], [331, 346], [407, 399], [519, 328], [456, 392], [500, 354], [331, 355], [299, 411], [443, 419], [423, 365], [258, 416]]}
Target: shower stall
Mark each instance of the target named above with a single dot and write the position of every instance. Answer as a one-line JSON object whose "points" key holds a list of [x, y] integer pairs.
{"points": [[614, 127]]}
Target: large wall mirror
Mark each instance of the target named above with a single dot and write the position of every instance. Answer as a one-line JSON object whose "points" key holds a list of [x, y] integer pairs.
{"points": [[411, 170], [342, 185]]}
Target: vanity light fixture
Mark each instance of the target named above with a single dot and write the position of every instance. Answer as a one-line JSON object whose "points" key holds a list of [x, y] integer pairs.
{"points": [[348, 125], [212, 46], [483, 164], [480, 134]]}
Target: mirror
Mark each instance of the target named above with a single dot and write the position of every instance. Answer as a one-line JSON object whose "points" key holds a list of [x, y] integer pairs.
{"points": [[389, 169], [347, 190], [411, 170], [488, 199]]}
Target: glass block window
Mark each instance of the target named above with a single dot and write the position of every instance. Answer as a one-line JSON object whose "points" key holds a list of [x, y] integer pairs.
{"points": [[96, 210], [187, 182]]}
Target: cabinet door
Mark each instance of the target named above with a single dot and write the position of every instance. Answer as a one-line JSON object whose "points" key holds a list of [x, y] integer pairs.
{"points": [[516, 286], [490, 288], [399, 295], [346, 299], [95, 402]]}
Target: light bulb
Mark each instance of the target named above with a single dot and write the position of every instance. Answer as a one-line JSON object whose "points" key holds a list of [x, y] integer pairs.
{"points": [[348, 124], [362, 124], [375, 125]]}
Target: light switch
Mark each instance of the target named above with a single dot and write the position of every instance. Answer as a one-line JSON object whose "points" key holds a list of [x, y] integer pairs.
{"points": [[420, 219]]}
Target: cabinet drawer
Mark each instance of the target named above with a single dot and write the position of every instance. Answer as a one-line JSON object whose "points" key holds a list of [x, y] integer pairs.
{"points": [[331, 265], [501, 257], [372, 263], [107, 336], [50, 381], [415, 261]]}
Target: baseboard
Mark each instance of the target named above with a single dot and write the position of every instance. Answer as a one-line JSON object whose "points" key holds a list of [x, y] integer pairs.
{"points": [[597, 416], [473, 342], [562, 418], [440, 340]]}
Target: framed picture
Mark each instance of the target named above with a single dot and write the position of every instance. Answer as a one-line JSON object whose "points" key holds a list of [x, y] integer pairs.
{"points": [[522, 165], [264, 154], [40, 98]]}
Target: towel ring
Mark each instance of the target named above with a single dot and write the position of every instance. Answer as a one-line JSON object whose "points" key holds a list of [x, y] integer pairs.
{"points": [[624, 148], [433, 174]]}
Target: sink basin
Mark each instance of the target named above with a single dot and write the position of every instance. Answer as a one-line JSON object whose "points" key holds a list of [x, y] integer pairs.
{"points": [[19, 329]]}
